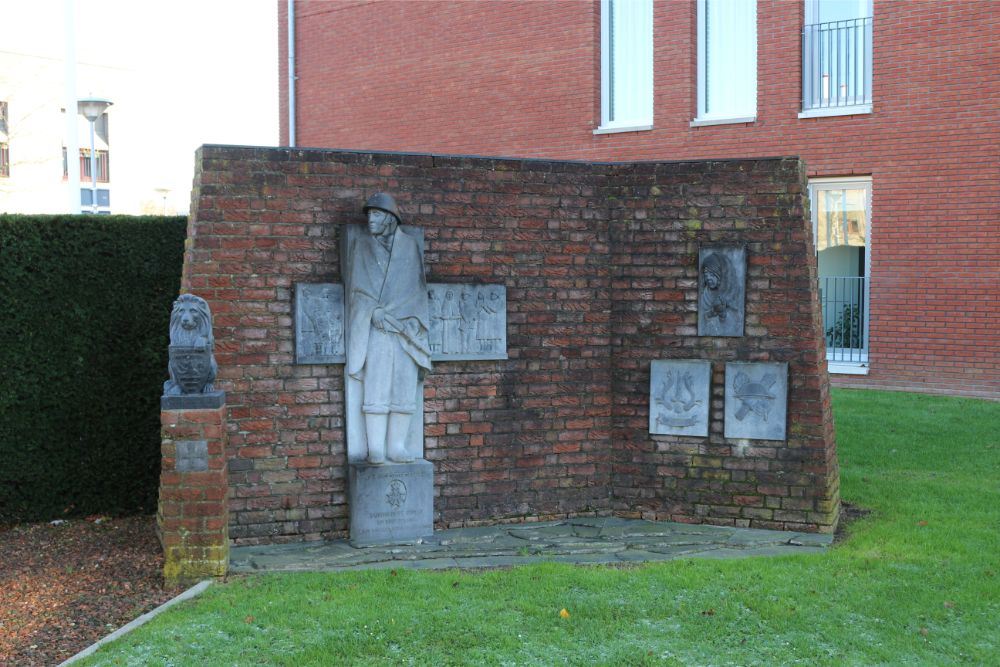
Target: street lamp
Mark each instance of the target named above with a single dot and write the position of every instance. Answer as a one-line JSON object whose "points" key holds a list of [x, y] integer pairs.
{"points": [[91, 109]]}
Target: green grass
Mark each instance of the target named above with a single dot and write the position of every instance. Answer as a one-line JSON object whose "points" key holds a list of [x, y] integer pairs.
{"points": [[917, 582]]}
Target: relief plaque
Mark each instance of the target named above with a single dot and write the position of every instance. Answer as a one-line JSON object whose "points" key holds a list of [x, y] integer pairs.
{"points": [[756, 400], [319, 323], [468, 322], [680, 392], [722, 273]]}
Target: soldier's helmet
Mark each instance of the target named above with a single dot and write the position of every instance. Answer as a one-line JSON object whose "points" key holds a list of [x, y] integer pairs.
{"points": [[384, 202]]}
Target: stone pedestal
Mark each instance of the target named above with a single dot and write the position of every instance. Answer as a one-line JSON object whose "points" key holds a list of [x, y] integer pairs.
{"points": [[193, 515], [392, 503]]}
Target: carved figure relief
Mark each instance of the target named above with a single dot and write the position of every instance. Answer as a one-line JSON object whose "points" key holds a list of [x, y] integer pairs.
{"points": [[396, 493], [721, 291], [679, 397], [450, 324], [756, 400], [436, 334], [468, 321], [319, 323], [192, 366], [488, 325], [459, 329]]}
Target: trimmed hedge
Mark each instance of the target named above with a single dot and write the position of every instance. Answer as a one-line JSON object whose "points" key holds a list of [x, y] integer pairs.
{"points": [[83, 356]]}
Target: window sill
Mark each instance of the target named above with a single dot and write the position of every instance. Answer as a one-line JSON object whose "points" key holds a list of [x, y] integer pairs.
{"points": [[613, 129], [701, 122], [824, 112]]}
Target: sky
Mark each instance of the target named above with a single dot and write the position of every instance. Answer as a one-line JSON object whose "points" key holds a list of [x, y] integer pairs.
{"points": [[205, 71]]}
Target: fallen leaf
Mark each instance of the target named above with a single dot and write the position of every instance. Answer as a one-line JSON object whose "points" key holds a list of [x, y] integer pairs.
{"points": [[924, 631], [248, 620], [921, 523], [563, 613], [948, 604]]}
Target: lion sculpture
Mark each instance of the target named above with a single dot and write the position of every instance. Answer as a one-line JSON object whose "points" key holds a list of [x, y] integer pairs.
{"points": [[192, 364]]}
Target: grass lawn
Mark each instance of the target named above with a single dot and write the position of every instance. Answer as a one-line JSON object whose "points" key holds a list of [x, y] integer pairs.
{"points": [[917, 582]]}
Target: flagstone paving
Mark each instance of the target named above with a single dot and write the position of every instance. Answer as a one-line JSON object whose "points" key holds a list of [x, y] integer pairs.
{"points": [[591, 540]]}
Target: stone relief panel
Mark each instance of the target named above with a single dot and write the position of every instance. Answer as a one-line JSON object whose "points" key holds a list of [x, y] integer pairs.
{"points": [[468, 322], [680, 394], [756, 400], [319, 323], [191, 455], [722, 274]]}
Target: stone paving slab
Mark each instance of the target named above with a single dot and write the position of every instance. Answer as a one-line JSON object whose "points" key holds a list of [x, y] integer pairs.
{"points": [[591, 540]]}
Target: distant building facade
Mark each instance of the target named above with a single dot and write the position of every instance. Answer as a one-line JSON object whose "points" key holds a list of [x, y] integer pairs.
{"points": [[34, 161], [892, 104]]}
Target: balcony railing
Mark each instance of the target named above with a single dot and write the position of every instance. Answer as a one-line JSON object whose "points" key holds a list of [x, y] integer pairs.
{"points": [[845, 318], [837, 64]]}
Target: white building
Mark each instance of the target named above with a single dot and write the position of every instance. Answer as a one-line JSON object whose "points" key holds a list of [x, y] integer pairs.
{"points": [[179, 75]]}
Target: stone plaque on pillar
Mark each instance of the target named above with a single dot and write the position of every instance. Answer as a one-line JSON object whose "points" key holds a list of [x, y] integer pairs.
{"points": [[722, 274], [756, 400], [391, 503], [680, 393]]}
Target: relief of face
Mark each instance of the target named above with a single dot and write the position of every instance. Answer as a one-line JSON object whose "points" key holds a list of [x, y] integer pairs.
{"points": [[712, 280], [378, 221]]}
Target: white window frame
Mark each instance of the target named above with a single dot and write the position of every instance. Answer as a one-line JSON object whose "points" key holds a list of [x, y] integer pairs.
{"points": [[703, 117], [860, 367], [645, 121], [811, 16]]}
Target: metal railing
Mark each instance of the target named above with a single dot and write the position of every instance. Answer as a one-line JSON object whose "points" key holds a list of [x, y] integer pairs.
{"points": [[844, 301], [837, 64]]}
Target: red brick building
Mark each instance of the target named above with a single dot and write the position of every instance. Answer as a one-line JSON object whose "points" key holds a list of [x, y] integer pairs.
{"points": [[892, 105]]}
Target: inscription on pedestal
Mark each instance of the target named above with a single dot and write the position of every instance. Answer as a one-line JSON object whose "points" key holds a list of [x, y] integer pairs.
{"points": [[756, 400], [391, 503], [679, 397]]}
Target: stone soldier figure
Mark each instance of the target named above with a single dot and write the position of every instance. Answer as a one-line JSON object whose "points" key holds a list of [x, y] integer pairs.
{"points": [[387, 328]]}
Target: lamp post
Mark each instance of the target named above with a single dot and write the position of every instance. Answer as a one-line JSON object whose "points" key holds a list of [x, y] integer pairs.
{"points": [[163, 192], [91, 109]]}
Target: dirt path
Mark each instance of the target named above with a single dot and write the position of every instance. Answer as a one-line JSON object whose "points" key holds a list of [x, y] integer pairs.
{"points": [[63, 587]]}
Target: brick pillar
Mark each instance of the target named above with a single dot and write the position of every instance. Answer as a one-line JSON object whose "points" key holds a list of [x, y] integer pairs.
{"points": [[193, 513]]}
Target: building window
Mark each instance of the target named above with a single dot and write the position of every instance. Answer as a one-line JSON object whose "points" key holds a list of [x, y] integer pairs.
{"points": [[727, 61], [626, 65], [841, 215], [3, 118], [837, 58], [103, 167]]}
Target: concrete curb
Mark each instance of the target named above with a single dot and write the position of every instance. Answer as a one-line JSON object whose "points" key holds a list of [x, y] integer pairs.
{"points": [[142, 620]]}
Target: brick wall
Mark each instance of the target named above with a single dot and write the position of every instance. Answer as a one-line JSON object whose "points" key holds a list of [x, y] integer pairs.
{"points": [[192, 516], [665, 213], [523, 79], [532, 436]]}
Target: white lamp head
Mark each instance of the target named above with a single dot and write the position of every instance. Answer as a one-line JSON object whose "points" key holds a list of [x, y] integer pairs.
{"points": [[92, 108]]}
